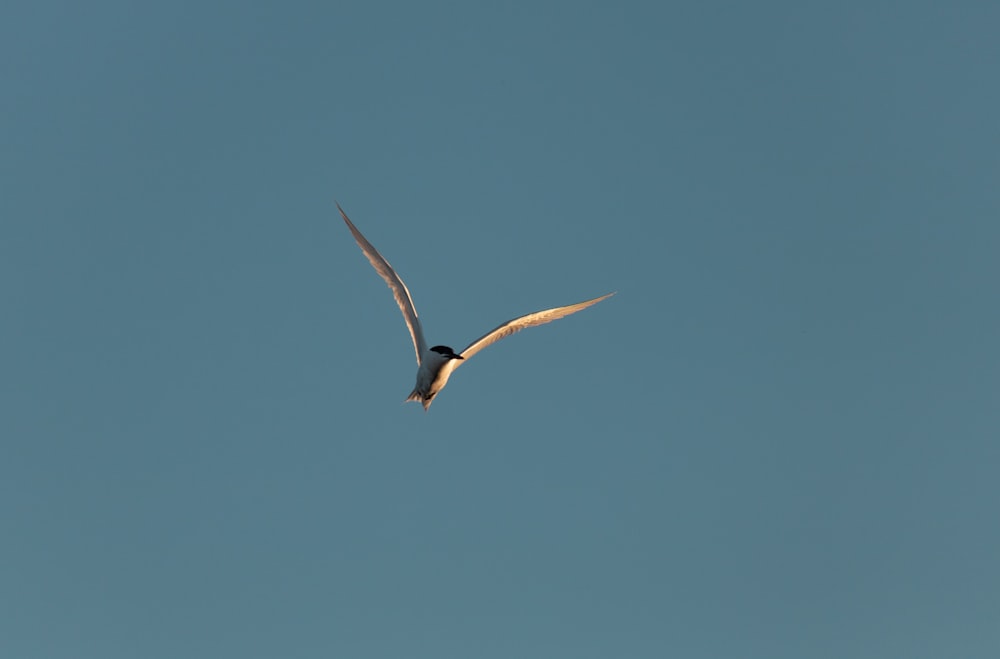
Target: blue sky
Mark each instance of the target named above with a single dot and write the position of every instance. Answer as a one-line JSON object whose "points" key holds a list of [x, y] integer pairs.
{"points": [[778, 440]]}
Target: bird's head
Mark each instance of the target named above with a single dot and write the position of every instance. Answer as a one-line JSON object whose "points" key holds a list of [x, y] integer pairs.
{"points": [[446, 352]]}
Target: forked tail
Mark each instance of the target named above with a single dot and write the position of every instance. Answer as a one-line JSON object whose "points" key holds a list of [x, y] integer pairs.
{"points": [[418, 397]]}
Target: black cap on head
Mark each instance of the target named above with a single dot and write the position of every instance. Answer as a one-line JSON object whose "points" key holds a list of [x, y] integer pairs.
{"points": [[447, 352]]}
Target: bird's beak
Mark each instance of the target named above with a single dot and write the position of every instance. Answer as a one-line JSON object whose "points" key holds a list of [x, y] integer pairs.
{"points": [[458, 357]]}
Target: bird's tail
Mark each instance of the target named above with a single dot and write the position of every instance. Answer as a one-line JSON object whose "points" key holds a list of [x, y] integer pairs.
{"points": [[418, 397]]}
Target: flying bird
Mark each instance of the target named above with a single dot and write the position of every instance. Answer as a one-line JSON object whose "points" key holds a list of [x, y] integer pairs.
{"points": [[436, 364]]}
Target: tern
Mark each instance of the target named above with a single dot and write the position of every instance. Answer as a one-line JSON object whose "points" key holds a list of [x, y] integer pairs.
{"points": [[436, 364]]}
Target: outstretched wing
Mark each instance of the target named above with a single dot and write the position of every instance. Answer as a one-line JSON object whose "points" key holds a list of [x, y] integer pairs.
{"points": [[396, 285], [528, 320]]}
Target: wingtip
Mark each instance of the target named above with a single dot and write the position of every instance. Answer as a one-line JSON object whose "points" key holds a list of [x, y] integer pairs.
{"points": [[342, 213], [603, 297]]}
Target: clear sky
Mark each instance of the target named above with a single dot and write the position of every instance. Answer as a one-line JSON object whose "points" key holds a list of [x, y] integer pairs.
{"points": [[779, 440]]}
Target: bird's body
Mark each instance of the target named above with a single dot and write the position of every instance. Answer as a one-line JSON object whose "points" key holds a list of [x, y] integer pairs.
{"points": [[436, 364], [432, 375]]}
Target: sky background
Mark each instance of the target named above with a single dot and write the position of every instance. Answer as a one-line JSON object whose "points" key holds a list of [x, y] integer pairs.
{"points": [[779, 439]]}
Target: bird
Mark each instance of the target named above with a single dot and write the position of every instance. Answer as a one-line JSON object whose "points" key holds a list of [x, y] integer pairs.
{"points": [[436, 363]]}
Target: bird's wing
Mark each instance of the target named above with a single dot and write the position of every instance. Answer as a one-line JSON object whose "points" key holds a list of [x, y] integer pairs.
{"points": [[528, 320], [399, 290]]}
